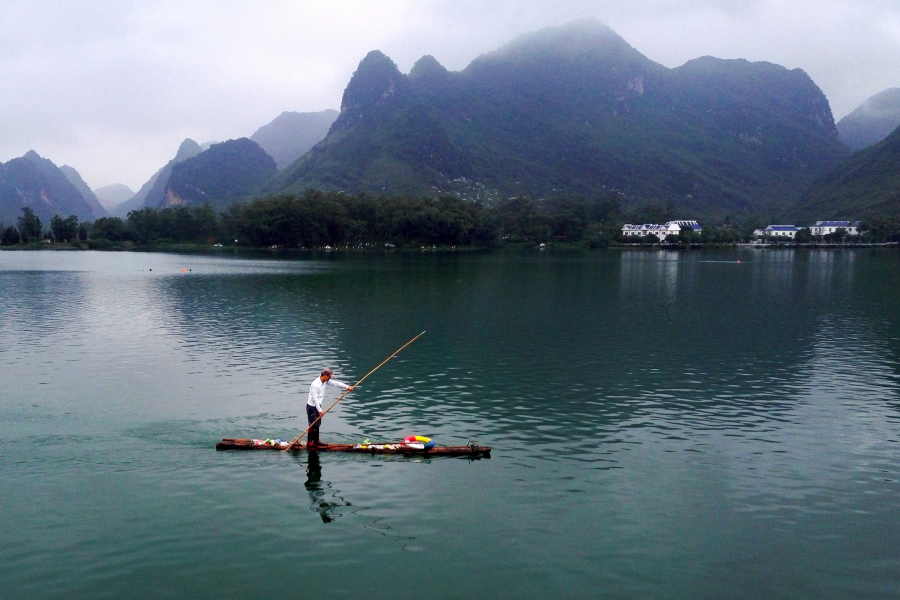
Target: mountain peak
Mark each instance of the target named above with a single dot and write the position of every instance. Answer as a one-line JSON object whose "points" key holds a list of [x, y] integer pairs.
{"points": [[376, 82], [584, 37], [32, 156], [36, 182], [187, 149], [112, 195], [428, 67], [376, 79], [291, 134], [152, 193], [584, 57], [884, 100], [871, 121]]}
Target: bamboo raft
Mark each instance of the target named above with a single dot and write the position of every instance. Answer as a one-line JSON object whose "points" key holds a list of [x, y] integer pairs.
{"points": [[470, 450]]}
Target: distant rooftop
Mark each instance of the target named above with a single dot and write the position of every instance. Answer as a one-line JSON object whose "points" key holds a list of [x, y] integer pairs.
{"points": [[837, 224], [668, 224]]}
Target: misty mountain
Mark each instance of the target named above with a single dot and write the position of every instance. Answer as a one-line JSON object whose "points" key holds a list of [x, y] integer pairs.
{"points": [[75, 179], [871, 121], [37, 182], [867, 185], [226, 173], [576, 109], [153, 192], [291, 134], [112, 195]]}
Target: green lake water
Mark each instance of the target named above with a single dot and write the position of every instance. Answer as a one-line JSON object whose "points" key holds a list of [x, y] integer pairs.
{"points": [[707, 424]]}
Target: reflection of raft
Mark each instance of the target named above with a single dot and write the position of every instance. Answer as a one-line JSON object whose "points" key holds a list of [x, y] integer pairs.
{"points": [[470, 449]]}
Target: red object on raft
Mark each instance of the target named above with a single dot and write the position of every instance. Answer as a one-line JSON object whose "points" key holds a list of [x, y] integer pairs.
{"points": [[472, 450]]}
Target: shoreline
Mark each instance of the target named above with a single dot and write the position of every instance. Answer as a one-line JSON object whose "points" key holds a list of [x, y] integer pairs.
{"points": [[209, 248]]}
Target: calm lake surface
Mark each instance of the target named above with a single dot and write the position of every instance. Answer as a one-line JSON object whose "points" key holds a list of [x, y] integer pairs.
{"points": [[664, 424]]}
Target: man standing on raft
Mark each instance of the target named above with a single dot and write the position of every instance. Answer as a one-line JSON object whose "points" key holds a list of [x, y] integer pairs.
{"points": [[314, 402]]}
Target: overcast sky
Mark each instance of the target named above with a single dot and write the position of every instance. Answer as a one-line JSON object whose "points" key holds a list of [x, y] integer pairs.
{"points": [[112, 87]]}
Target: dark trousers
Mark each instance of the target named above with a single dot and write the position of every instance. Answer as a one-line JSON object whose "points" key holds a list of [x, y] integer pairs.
{"points": [[312, 414]]}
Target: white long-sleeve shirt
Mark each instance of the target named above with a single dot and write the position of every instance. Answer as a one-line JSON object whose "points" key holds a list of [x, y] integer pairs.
{"points": [[317, 391]]}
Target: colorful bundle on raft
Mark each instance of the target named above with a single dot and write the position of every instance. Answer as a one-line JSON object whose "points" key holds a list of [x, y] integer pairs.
{"points": [[414, 442], [268, 442], [418, 442]]}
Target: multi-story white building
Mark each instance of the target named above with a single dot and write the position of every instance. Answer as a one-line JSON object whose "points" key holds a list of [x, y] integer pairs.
{"points": [[778, 231], [826, 227], [660, 231]]}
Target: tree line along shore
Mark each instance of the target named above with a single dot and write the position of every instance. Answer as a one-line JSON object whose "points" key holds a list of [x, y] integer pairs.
{"points": [[316, 219]]}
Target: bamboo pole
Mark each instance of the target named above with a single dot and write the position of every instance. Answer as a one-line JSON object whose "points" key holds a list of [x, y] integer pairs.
{"points": [[319, 418]]}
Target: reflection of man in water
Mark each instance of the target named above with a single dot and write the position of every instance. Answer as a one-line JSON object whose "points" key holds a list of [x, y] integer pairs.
{"points": [[317, 488]]}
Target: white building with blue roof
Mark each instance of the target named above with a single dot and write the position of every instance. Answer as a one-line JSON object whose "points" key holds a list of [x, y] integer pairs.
{"points": [[826, 227], [778, 231], [660, 231]]}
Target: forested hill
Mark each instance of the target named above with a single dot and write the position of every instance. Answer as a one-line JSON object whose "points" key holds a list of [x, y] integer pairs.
{"points": [[226, 173], [576, 109], [865, 186], [36, 182]]}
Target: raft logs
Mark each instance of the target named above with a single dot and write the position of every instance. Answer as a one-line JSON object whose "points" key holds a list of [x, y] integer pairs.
{"points": [[471, 450]]}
